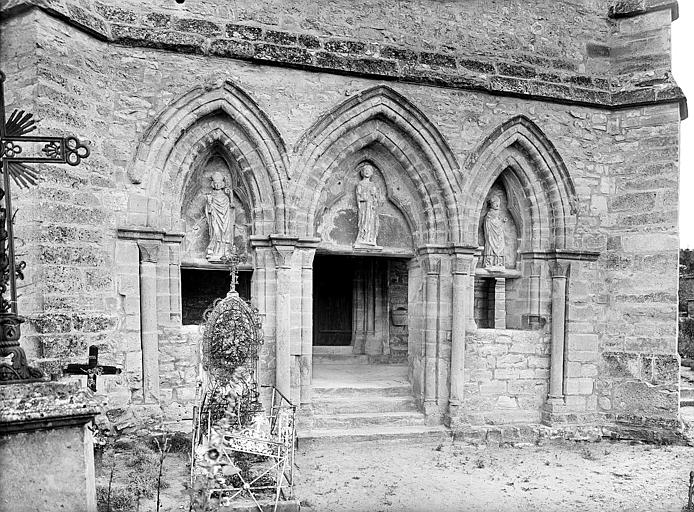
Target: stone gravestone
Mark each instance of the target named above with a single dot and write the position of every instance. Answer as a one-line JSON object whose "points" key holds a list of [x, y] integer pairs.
{"points": [[46, 451]]}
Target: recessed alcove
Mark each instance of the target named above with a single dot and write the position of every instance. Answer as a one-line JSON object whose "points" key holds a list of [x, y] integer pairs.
{"points": [[201, 287], [497, 277]]}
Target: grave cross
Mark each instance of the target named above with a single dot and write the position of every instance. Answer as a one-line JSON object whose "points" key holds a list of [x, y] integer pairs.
{"points": [[16, 149], [92, 368]]}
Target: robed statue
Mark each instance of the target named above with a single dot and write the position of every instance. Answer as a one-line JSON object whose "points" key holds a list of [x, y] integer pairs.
{"points": [[218, 210], [494, 242], [368, 203]]}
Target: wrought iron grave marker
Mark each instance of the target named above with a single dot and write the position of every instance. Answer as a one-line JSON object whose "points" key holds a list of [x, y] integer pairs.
{"points": [[17, 149]]}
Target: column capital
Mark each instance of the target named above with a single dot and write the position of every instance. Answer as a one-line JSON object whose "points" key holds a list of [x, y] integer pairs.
{"points": [[464, 259], [559, 269], [283, 255], [149, 250]]}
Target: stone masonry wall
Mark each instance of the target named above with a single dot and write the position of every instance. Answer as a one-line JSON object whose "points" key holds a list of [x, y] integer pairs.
{"points": [[82, 283], [506, 376]]}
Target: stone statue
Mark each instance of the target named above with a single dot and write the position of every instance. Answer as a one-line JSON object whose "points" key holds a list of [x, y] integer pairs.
{"points": [[368, 202], [218, 211], [494, 242]]}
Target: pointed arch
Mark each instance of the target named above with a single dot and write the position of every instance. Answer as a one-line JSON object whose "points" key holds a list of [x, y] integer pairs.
{"points": [[521, 155], [221, 114], [381, 117]]}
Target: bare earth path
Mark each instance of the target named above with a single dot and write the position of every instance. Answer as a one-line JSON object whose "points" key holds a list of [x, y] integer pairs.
{"points": [[558, 476]]}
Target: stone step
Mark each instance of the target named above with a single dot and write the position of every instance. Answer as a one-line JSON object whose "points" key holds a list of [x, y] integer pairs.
{"points": [[340, 359], [687, 402], [354, 390], [364, 404], [686, 392], [356, 420], [316, 436]]}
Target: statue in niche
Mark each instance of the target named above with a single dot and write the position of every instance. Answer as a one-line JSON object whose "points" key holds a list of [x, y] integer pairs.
{"points": [[494, 241], [368, 202], [218, 210]]}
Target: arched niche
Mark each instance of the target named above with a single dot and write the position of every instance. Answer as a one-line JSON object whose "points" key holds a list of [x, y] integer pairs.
{"points": [[194, 220], [510, 213], [381, 125], [336, 221]]}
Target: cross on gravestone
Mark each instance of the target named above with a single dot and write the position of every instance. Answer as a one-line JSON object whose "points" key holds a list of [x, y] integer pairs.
{"points": [[16, 149], [92, 368]]}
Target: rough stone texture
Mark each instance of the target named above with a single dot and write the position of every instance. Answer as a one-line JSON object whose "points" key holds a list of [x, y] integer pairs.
{"points": [[295, 97], [46, 423], [507, 373]]}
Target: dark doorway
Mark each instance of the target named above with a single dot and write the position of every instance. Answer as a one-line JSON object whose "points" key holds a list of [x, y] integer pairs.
{"points": [[200, 288], [332, 300]]}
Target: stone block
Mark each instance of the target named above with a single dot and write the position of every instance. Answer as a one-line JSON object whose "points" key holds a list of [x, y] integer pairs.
{"points": [[492, 388], [511, 361], [506, 373], [522, 348], [579, 386], [583, 342]]}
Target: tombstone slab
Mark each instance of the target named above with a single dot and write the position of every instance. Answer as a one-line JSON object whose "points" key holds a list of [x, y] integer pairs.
{"points": [[46, 450]]}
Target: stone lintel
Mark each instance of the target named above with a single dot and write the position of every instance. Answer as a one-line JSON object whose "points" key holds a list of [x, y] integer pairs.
{"points": [[629, 8], [434, 249], [174, 238], [504, 273], [380, 252], [308, 242], [44, 405], [260, 241], [561, 255], [140, 233], [283, 240]]}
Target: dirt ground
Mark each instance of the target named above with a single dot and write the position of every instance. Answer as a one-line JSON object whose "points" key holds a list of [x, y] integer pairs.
{"points": [[402, 476], [563, 476]]}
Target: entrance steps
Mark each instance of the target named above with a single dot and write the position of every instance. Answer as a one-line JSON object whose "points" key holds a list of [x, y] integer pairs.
{"points": [[358, 401], [686, 387]]}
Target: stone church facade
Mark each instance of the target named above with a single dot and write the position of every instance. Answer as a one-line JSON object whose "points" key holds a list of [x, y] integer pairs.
{"points": [[485, 191]]}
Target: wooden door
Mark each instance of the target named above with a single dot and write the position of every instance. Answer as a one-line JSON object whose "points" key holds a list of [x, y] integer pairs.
{"points": [[332, 301]]}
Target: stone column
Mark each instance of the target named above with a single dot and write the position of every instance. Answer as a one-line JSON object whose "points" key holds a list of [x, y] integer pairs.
{"points": [[284, 251], [149, 252], [264, 298], [173, 243], [432, 268], [463, 266], [556, 369], [500, 303], [308, 252]]}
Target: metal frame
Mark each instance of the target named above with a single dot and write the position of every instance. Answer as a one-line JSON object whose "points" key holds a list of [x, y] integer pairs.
{"points": [[229, 424]]}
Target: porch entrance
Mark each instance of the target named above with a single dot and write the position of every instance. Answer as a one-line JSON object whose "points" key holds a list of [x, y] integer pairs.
{"points": [[360, 382], [360, 306]]}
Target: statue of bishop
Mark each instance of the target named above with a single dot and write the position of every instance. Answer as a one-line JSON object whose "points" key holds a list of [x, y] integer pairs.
{"points": [[494, 241], [218, 210]]}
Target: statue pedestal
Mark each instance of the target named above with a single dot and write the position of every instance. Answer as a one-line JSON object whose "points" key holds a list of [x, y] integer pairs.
{"points": [[46, 451], [358, 247]]}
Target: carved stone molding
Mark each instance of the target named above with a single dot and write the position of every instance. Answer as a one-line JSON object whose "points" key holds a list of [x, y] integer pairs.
{"points": [[283, 249], [559, 269], [464, 260], [149, 250]]}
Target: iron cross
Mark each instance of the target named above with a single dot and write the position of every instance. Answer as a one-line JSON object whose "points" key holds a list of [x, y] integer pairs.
{"points": [[92, 368], [17, 148]]}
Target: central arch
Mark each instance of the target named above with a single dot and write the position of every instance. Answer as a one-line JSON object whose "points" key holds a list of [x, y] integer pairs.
{"points": [[380, 118], [420, 176]]}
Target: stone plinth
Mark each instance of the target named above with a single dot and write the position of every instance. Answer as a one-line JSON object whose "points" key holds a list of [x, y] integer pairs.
{"points": [[46, 451]]}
